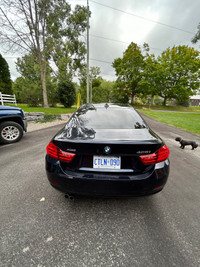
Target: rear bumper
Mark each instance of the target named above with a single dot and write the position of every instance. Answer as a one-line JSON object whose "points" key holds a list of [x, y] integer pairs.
{"points": [[107, 185]]}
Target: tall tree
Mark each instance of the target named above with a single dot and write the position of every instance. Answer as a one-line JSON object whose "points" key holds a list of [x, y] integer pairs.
{"points": [[129, 70], [174, 74], [40, 27], [5, 81]]}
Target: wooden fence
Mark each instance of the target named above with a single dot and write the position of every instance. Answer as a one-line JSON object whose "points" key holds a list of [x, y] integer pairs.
{"points": [[7, 99]]}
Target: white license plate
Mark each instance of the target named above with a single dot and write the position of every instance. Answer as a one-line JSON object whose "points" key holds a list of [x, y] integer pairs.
{"points": [[103, 162]]}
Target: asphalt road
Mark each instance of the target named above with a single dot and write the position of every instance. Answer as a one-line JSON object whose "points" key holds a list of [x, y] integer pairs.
{"points": [[158, 230]]}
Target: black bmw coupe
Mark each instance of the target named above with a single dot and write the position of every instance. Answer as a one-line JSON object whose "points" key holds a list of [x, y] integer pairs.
{"points": [[107, 150]]}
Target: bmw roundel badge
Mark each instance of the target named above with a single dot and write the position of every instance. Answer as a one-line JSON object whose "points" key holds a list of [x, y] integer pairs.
{"points": [[107, 149]]}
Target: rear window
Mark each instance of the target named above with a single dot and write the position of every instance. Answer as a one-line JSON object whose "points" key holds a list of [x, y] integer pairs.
{"points": [[110, 118]]}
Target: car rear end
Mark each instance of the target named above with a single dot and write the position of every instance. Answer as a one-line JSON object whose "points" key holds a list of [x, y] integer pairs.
{"points": [[107, 162]]}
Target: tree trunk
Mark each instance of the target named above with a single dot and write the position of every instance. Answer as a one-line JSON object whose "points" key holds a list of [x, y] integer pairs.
{"points": [[165, 101], [43, 80], [44, 89], [152, 100], [132, 98], [44, 69]]}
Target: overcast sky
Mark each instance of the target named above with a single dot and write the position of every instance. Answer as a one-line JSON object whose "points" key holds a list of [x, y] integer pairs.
{"points": [[136, 21]]}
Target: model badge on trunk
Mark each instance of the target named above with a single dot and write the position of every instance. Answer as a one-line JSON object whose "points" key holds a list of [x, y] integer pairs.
{"points": [[71, 150], [144, 152]]}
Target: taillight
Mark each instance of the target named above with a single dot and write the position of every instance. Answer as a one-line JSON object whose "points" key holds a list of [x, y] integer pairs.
{"points": [[52, 150], [56, 153], [65, 156], [160, 155], [163, 153]]}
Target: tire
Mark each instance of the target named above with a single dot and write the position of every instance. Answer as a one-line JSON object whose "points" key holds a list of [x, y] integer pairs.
{"points": [[10, 132]]}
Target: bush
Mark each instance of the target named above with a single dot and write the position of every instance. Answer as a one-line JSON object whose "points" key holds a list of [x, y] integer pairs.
{"points": [[66, 93], [183, 101], [52, 94], [28, 92], [49, 118], [158, 101]]}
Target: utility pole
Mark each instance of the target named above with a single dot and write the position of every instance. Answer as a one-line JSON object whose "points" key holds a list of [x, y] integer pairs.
{"points": [[91, 92], [88, 78]]}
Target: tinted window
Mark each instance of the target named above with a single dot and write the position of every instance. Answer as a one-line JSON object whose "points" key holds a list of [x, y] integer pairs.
{"points": [[111, 118]]}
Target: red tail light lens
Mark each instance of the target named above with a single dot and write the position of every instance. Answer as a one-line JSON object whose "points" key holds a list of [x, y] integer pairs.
{"points": [[163, 153], [160, 155], [52, 150], [65, 156], [56, 153]]}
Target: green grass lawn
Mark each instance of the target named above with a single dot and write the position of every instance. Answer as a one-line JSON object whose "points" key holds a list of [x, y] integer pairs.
{"points": [[56, 110], [170, 108], [186, 121]]}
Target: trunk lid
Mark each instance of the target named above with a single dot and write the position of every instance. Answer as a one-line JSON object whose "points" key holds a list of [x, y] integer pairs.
{"points": [[129, 144]]}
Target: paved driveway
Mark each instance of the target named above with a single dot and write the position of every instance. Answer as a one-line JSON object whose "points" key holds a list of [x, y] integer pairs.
{"points": [[159, 230]]}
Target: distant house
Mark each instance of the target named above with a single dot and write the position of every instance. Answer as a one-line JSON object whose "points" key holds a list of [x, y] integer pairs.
{"points": [[195, 100]]}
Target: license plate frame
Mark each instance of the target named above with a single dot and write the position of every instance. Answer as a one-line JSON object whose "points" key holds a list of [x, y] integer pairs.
{"points": [[107, 162]]}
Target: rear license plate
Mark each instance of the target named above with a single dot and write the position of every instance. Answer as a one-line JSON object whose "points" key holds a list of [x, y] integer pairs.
{"points": [[101, 162]]}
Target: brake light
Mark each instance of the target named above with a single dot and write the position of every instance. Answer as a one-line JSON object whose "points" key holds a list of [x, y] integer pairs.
{"points": [[56, 153], [52, 150], [65, 156], [160, 155]]}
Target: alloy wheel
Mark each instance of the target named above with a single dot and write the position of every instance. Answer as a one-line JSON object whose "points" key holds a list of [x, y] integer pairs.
{"points": [[10, 133]]}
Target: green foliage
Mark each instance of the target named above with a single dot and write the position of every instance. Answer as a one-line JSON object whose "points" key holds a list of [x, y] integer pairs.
{"points": [[95, 82], [129, 70], [28, 92], [49, 118], [183, 103], [103, 93], [17, 88], [120, 94], [5, 81], [101, 90], [66, 92], [174, 74], [66, 48], [31, 92], [32, 96], [28, 67], [158, 101], [28, 87], [94, 74], [52, 92]]}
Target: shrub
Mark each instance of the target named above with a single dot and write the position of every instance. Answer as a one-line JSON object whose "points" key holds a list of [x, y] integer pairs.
{"points": [[66, 93], [32, 95]]}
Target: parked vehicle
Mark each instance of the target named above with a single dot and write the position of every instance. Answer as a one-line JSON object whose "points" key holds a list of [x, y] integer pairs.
{"points": [[107, 150], [13, 123]]}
